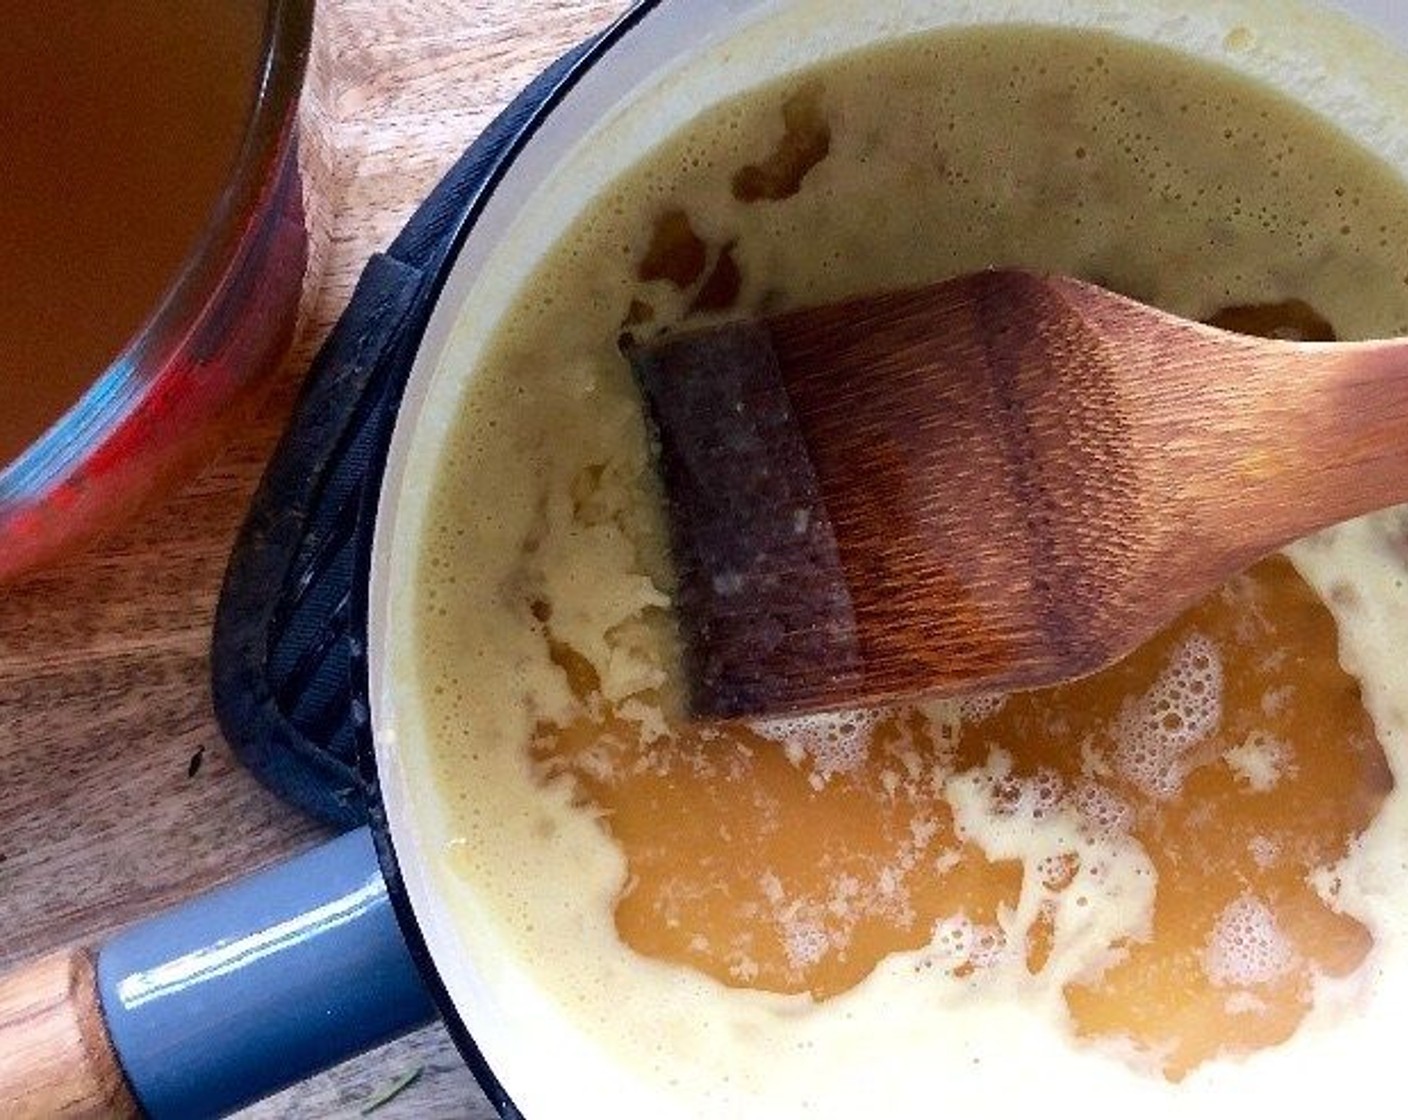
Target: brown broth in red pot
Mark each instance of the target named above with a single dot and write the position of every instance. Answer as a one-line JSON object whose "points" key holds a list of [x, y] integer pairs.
{"points": [[122, 120]]}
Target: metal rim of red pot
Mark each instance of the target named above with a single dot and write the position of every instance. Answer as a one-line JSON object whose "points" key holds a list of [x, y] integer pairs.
{"points": [[226, 318]]}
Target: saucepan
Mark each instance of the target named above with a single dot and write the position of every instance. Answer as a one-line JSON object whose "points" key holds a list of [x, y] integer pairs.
{"points": [[202, 1009]]}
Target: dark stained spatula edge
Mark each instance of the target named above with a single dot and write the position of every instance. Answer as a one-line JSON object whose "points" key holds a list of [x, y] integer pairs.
{"points": [[993, 483]]}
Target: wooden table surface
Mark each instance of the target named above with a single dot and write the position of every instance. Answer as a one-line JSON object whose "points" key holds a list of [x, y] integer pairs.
{"points": [[104, 673]]}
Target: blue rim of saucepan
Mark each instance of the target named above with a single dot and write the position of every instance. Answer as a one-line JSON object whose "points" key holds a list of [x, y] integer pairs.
{"points": [[432, 286]]}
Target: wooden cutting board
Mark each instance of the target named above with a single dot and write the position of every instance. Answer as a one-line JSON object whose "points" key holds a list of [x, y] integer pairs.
{"points": [[117, 795]]}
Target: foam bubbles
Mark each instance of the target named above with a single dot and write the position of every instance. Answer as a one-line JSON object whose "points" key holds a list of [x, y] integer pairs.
{"points": [[1264, 851], [1032, 799], [1056, 872], [1247, 947], [1259, 762], [975, 709], [805, 943], [961, 944], [834, 742], [1102, 811], [1157, 733]]}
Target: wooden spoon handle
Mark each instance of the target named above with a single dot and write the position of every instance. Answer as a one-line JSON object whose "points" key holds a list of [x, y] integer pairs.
{"points": [[55, 1055], [1248, 443], [1355, 435], [1312, 435]]}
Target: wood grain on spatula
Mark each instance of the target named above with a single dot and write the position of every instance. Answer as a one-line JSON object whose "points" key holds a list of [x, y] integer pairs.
{"points": [[995, 483]]}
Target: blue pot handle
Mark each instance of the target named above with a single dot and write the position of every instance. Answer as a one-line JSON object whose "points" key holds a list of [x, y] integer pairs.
{"points": [[260, 984]]}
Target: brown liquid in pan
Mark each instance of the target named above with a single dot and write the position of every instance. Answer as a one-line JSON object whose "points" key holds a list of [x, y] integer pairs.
{"points": [[726, 872], [800, 885], [1148, 858]]}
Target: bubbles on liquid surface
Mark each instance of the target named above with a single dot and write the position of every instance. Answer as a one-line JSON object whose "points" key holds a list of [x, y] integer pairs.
{"points": [[1247, 947], [1157, 733], [1103, 812], [833, 742], [975, 709]]}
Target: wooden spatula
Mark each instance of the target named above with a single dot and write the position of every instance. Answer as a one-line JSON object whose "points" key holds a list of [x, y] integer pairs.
{"points": [[996, 483]]}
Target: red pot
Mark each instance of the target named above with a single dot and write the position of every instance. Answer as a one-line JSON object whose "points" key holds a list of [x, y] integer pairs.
{"points": [[195, 367]]}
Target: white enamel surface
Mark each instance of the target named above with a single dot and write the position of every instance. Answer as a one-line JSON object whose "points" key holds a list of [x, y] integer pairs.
{"points": [[685, 54]]}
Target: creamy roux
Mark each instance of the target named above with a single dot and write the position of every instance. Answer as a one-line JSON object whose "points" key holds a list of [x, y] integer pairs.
{"points": [[1149, 883]]}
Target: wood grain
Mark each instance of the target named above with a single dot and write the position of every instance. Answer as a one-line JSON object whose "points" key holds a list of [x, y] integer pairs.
{"points": [[1123, 463], [104, 695], [55, 1058]]}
